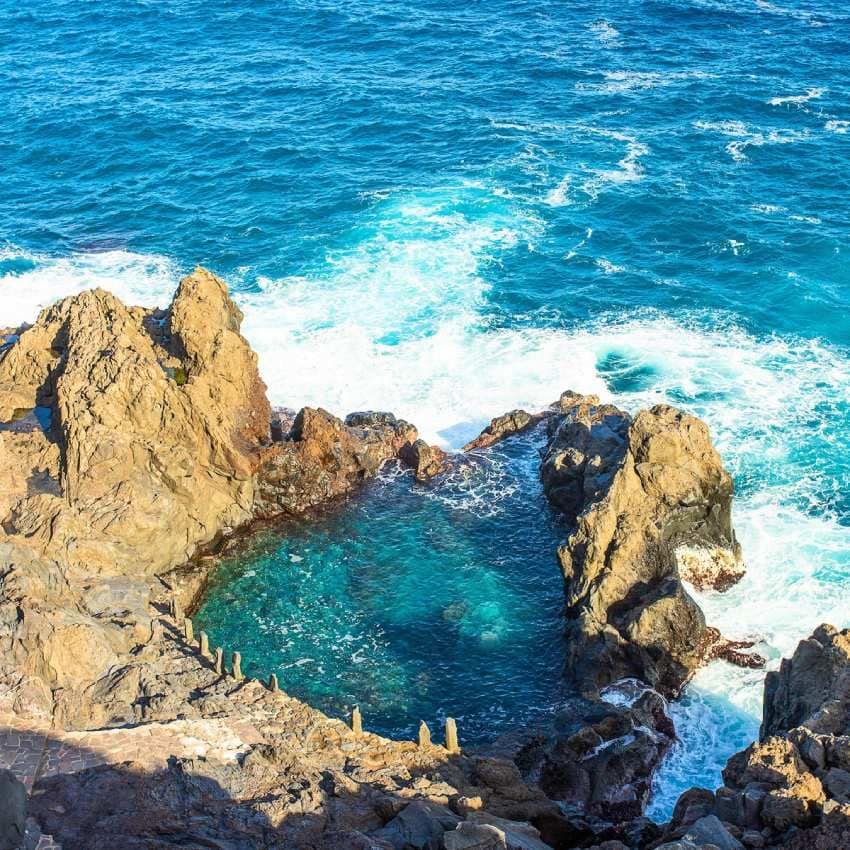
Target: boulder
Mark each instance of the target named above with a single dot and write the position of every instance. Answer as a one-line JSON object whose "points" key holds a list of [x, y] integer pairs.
{"points": [[425, 461], [710, 830], [649, 501], [513, 422], [812, 688], [419, 826]]}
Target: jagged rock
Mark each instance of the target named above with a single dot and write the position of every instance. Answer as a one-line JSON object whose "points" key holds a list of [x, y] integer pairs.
{"points": [[419, 826], [593, 754], [136, 445], [639, 493], [13, 811], [791, 788], [425, 461], [513, 422], [324, 458], [812, 688]]}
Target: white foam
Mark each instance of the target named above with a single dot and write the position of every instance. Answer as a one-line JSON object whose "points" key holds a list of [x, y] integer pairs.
{"points": [[625, 81], [837, 126], [747, 137], [143, 279], [558, 196], [607, 266], [811, 94], [606, 34], [629, 167]]}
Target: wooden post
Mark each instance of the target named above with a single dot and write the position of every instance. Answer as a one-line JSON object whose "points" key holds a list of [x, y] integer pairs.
{"points": [[424, 735], [356, 721], [204, 644], [451, 736], [188, 631], [273, 683], [237, 666], [176, 613], [219, 660]]}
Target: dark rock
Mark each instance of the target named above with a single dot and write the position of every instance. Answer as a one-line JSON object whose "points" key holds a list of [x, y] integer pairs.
{"points": [[594, 755], [419, 826], [710, 830], [812, 688], [13, 811], [693, 804], [425, 461]]}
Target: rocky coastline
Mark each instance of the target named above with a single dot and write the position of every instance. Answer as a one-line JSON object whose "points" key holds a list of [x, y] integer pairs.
{"points": [[133, 442]]}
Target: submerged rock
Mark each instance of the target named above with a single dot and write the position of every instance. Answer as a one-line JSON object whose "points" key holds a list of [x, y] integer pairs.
{"points": [[648, 498]]}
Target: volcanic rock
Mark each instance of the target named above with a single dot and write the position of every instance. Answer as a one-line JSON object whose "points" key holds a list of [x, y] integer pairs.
{"points": [[649, 501], [506, 425], [812, 688], [425, 461]]}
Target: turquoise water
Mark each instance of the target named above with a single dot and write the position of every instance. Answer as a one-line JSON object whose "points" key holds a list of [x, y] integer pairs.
{"points": [[453, 209], [413, 602]]}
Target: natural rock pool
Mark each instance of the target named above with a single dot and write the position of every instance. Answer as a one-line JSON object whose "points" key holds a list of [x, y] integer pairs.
{"points": [[412, 601]]}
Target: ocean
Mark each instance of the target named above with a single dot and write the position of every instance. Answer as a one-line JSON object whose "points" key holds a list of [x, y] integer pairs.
{"points": [[449, 210]]}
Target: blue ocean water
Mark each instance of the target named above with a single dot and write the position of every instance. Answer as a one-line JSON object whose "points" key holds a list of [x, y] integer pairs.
{"points": [[453, 209]]}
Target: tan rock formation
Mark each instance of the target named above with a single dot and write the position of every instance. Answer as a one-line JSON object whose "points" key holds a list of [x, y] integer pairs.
{"points": [[649, 498], [131, 439]]}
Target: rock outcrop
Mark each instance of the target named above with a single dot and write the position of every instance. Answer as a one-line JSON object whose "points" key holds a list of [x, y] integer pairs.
{"points": [[323, 458], [596, 757], [510, 423], [649, 503], [130, 441], [153, 426], [791, 788], [812, 688]]}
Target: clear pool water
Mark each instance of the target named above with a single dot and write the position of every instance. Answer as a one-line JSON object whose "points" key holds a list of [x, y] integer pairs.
{"points": [[415, 602]]}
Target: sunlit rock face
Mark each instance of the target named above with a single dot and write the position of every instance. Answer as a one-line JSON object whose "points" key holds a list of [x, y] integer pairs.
{"points": [[636, 491]]}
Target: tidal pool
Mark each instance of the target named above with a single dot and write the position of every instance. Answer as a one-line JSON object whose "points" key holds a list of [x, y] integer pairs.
{"points": [[412, 601]]}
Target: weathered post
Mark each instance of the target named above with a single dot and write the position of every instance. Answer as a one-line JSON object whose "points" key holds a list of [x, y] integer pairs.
{"points": [[237, 666], [219, 660], [451, 736], [156, 630], [356, 721], [204, 644], [424, 735], [176, 613], [273, 683], [188, 631]]}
